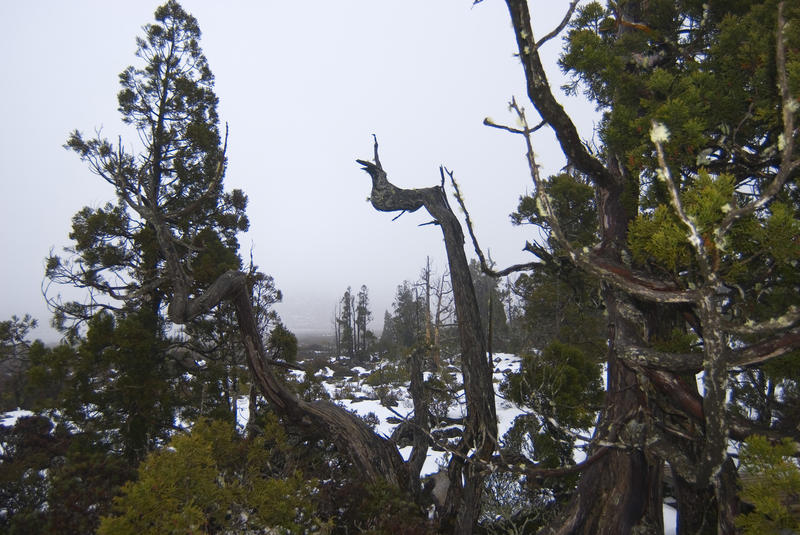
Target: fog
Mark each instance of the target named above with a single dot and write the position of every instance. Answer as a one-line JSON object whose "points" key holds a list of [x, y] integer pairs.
{"points": [[302, 86]]}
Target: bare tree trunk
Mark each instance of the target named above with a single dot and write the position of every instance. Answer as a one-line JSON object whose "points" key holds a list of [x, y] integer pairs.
{"points": [[376, 457], [480, 433], [421, 428], [353, 327], [438, 320], [426, 276]]}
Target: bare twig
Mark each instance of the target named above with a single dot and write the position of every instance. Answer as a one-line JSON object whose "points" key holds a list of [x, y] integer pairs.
{"points": [[485, 266], [489, 122], [572, 5]]}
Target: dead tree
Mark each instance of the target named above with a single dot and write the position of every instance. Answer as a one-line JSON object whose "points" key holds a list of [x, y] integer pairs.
{"points": [[479, 440]]}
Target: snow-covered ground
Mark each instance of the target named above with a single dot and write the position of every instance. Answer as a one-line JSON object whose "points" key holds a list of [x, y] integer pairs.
{"points": [[362, 399]]}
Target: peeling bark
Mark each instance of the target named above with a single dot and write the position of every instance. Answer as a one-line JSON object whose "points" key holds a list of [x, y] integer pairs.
{"points": [[650, 414]]}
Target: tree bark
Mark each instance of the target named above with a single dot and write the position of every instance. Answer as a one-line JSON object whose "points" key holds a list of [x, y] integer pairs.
{"points": [[421, 428], [480, 434], [621, 492], [700, 512], [374, 456]]}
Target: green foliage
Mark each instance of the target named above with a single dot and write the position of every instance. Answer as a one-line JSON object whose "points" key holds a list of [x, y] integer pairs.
{"points": [[344, 324], [388, 374], [697, 69], [661, 237], [53, 481], [386, 510], [376, 508], [440, 391], [573, 203], [214, 258], [311, 388], [213, 480], [407, 323], [28, 448], [14, 333], [562, 387], [560, 303], [363, 316], [176, 492], [771, 483], [116, 382], [707, 199], [283, 342], [560, 382], [14, 361], [780, 234], [677, 341]]}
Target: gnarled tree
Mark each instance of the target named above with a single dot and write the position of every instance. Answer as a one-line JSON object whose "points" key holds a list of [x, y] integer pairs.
{"points": [[697, 169], [479, 441], [170, 197]]}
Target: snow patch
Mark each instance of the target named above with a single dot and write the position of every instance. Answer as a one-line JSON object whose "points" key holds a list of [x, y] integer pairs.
{"points": [[9, 419]]}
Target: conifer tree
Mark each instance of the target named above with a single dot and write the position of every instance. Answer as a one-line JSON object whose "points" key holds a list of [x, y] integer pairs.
{"points": [[165, 256], [14, 360], [695, 188], [363, 317], [345, 322], [121, 340], [171, 102]]}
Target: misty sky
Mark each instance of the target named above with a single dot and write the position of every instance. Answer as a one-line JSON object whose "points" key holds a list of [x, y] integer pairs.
{"points": [[302, 85]]}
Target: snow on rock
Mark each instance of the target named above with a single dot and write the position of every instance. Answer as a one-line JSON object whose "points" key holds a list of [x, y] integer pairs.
{"points": [[360, 371], [359, 398], [325, 372], [9, 419], [364, 407]]}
